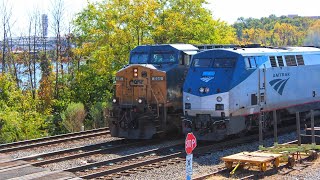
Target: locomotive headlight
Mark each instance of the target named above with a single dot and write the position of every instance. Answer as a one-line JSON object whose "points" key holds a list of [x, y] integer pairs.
{"points": [[206, 89], [219, 98], [135, 72], [139, 101], [201, 89], [114, 100], [188, 98]]}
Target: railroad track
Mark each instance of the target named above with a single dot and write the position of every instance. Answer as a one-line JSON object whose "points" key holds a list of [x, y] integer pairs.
{"points": [[20, 145], [156, 158], [123, 164], [83, 151]]}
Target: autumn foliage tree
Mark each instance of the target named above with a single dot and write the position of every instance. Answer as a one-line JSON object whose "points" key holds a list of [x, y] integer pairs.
{"points": [[313, 35], [272, 30], [106, 31]]}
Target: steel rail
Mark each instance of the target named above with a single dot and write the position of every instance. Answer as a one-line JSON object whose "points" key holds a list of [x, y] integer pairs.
{"points": [[52, 140], [97, 150], [51, 137]]}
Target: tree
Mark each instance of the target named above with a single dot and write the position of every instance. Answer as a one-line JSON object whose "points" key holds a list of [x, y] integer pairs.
{"points": [[188, 22], [57, 14], [313, 35], [105, 33], [285, 34], [272, 30], [6, 12], [19, 117]]}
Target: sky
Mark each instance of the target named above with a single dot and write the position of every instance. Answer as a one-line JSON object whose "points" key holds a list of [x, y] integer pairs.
{"points": [[225, 10], [230, 10]]}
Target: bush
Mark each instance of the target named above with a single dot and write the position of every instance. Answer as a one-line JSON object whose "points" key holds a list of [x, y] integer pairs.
{"points": [[73, 117], [97, 115]]}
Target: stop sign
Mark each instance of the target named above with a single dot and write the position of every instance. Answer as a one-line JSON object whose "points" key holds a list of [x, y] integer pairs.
{"points": [[191, 143]]}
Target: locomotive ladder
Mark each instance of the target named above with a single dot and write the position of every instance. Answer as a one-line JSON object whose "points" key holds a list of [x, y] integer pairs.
{"points": [[262, 86], [158, 107]]}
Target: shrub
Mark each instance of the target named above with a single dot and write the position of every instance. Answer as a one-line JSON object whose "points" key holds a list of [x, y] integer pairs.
{"points": [[73, 117], [97, 114]]}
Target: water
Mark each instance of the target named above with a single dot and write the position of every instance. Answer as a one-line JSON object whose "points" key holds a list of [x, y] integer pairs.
{"points": [[24, 76]]}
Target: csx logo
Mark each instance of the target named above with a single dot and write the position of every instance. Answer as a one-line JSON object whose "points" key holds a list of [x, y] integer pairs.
{"points": [[136, 82]]}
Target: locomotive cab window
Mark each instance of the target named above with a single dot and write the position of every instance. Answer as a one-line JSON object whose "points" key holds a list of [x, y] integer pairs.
{"points": [[163, 57], [185, 59], [202, 62], [223, 63], [251, 62], [139, 58]]}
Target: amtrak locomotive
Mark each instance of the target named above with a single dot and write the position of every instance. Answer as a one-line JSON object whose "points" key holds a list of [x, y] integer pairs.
{"points": [[226, 89], [148, 91]]}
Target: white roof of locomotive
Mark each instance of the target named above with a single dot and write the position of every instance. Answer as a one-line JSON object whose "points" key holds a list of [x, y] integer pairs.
{"points": [[274, 51], [184, 47]]}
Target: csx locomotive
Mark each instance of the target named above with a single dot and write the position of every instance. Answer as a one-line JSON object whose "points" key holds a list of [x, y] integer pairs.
{"points": [[148, 91], [226, 89]]}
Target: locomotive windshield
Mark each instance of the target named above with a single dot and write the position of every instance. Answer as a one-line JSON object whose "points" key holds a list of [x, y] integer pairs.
{"points": [[156, 58], [139, 58], [162, 57], [216, 63], [223, 63], [202, 62]]}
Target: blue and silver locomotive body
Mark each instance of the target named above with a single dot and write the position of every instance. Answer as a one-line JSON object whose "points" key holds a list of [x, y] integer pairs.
{"points": [[148, 91], [226, 89]]}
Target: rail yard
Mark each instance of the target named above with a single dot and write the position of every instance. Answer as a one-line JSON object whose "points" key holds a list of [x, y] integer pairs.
{"points": [[116, 158], [159, 90]]}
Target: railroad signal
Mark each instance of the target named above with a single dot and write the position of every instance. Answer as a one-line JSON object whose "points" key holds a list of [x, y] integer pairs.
{"points": [[191, 143]]}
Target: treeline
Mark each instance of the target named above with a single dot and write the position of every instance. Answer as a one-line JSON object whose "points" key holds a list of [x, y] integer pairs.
{"points": [[76, 83], [278, 31]]}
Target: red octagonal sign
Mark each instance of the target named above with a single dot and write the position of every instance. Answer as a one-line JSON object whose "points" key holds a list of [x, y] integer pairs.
{"points": [[191, 143]]}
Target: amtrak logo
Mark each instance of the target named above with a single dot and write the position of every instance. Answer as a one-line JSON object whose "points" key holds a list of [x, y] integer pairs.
{"points": [[206, 79], [279, 84]]}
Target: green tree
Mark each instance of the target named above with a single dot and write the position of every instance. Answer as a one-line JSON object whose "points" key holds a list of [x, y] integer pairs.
{"points": [[19, 117], [106, 31]]}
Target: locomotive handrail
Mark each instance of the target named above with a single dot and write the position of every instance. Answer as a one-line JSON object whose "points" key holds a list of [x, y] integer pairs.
{"points": [[155, 97]]}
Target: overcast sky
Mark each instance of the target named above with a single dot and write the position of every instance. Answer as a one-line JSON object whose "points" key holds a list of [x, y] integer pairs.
{"points": [[225, 10]]}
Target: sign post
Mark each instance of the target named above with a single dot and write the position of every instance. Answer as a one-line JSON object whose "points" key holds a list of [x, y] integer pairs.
{"points": [[190, 144]]}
